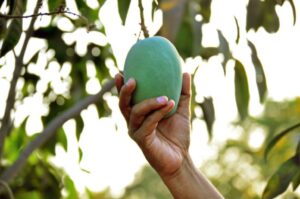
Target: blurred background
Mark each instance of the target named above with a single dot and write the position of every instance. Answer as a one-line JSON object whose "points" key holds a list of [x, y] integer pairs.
{"points": [[63, 136]]}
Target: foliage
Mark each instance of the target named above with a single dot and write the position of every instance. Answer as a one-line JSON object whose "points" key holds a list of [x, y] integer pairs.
{"points": [[40, 177]]}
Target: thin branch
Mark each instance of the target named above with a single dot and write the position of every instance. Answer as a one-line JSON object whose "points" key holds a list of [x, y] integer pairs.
{"points": [[61, 10], [10, 173], [143, 26], [10, 101], [7, 189]]}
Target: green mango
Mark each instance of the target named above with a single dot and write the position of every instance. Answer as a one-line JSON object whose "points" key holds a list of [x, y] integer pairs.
{"points": [[155, 65]]}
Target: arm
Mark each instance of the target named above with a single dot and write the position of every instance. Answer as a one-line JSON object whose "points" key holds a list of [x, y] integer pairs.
{"points": [[165, 142]]}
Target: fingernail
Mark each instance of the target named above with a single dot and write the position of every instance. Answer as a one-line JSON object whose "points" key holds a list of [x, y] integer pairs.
{"points": [[130, 81], [162, 99]]}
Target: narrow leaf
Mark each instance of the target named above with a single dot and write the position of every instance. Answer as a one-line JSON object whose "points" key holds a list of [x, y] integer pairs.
{"points": [[274, 141], [224, 49], [62, 138], [3, 28], [208, 113], [237, 40], [80, 154], [261, 81], [154, 8], [12, 5], [294, 10], [79, 127], [205, 10], [123, 6], [296, 179], [241, 90], [13, 35], [281, 179]]}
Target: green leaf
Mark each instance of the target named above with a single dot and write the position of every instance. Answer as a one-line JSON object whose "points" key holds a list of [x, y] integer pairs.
{"points": [[62, 138], [205, 10], [254, 14], [123, 6], [79, 126], [12, 5], [237, 40], [70, 188], [55, 4], [261, 81], [271, 20], [241, 90], [294, 10], [154, 8], [206, 53], [208, 113], [224, 49], [3, 28], [13, 36], [80, 154], [281, 179], [185, 46], [296, 179], [276, 139]]}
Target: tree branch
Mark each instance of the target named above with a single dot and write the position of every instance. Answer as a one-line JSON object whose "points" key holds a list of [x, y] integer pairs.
{"points": [[143, 26], [10, 173], [10, 101]]}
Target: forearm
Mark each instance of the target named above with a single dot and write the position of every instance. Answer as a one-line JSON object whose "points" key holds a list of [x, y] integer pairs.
{"points": [[189, 183]]}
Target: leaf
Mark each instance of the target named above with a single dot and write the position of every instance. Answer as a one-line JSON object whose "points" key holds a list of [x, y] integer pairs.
{"points": [[79, 126], [208, 52], [208, 113], [3, 28], [55, 4], [296, 179], [205, 10], [183, 45], [261, 81], [70, 188], [62, 138], [254, 14], [237, 40], [294, 10], [154, 8], [13, 36], [224, 49], [270, 20], [276, 139], [12, 5], [123, 6], [241, 90], [80, 154], [281, 179]]}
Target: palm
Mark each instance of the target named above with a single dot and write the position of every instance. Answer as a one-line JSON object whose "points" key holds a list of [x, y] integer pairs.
{"points": [[170, 140]]}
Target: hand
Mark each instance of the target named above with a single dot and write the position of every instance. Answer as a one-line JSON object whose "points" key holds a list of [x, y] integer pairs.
{"points": [[164, 141]]}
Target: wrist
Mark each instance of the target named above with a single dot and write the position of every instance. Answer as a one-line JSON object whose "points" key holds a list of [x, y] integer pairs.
{"points": [[187, 182]]}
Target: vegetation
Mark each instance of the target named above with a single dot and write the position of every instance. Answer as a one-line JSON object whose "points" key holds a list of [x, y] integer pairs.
{"points": [[25, 167]]}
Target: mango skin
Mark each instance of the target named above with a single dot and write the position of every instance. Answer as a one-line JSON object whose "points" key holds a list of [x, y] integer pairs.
{"points": [[156, 66]]}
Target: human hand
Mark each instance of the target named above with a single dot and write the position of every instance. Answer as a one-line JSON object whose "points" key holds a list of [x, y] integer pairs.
{"points": [[164, 141]]}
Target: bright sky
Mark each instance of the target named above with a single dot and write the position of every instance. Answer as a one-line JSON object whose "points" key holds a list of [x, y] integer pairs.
{"points": [[111, 158]]}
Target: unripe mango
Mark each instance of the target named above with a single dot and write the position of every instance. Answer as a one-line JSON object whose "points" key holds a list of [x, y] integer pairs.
{"points": [[155, 65]]}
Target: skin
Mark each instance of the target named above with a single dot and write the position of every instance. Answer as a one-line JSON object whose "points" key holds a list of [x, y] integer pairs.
{"points": [[165, 141]]}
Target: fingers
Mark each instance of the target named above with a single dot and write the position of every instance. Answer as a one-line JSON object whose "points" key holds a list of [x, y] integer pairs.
{"points": [[150, 122], [119, 81], [143, 109], [186, 84], [126, 92], [184, 101]]}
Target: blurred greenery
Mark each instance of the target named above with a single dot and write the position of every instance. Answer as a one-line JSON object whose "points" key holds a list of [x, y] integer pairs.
{"points": [[239, 171]]}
